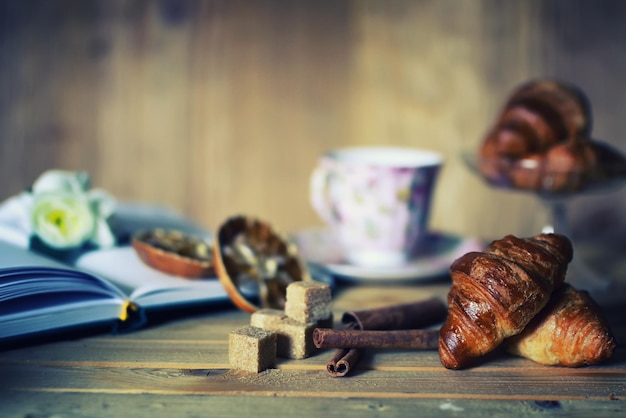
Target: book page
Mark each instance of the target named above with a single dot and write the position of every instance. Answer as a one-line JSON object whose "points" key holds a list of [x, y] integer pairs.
{"points": [[39, 294], [146, 286], [14, 256], [21, 265]]}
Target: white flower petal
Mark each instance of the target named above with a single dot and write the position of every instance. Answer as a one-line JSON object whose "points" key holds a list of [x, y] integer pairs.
{"points": [[15, 210], [61, 181], [102, 203], [62, 220], [14, 220], [103, 237]]}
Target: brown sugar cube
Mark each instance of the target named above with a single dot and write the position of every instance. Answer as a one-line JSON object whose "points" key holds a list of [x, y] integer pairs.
{"points": [[294, 339], [267, 318], [308, 301], [252, 349]]}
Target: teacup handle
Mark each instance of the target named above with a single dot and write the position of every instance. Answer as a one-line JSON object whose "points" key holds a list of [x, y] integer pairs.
{"points": [[319, 193]]}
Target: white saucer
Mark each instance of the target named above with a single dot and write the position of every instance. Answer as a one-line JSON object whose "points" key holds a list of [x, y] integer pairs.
{"points": [[319, 247]]}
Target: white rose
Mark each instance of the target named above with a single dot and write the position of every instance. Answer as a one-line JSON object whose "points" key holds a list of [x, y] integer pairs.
{"points": [[62, 219], [61, 210]]}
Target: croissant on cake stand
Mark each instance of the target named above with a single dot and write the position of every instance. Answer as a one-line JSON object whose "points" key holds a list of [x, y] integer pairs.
{"points": [[541, 141], [496, 293], [569, 331]]}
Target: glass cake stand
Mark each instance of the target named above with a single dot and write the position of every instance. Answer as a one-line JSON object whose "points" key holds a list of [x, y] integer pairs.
{"points": [[555, 191]]}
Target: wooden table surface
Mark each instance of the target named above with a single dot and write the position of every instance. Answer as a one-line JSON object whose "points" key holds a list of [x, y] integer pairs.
{"points": [[180, 367]]}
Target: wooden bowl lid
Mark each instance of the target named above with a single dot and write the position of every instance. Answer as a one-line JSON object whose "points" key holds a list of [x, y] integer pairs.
{"points": [[255, 264]]}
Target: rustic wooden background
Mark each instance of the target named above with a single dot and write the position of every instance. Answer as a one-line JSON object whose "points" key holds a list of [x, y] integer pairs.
{"points": [[216, 108]]}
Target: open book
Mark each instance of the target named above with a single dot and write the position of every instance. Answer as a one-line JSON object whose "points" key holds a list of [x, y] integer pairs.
{"points": [[105, 286]]}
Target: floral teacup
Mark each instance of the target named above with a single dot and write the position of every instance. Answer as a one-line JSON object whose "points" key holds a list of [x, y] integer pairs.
{"points": [[376, 200]]}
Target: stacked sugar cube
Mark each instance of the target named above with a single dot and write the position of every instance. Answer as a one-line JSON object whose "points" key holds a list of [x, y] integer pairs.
{"points": [[288, 333]]}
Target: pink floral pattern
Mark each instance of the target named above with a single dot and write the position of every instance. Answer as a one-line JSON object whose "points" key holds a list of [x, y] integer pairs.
{"points": [[373, 207]]}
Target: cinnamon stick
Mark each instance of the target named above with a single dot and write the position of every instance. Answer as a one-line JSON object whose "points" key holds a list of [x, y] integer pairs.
{"points": [[424, 339], [412, 315], [404, 316], [342, 361]]}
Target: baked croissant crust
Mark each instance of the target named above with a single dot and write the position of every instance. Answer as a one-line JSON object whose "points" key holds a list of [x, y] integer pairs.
{"points": [[569, 331], [541, 140], [496, 293]]}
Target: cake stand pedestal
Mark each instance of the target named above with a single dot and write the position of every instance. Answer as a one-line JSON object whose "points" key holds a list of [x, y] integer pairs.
{"points": [[579, 273]]}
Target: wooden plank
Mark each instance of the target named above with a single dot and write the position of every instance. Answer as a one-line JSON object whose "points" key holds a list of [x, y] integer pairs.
{"points": [[156, 406], [203, 353], [522, 385]]}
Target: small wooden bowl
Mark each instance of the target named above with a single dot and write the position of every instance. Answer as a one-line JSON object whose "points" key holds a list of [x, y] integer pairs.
{"points": [[173, 252], [247, 249]]}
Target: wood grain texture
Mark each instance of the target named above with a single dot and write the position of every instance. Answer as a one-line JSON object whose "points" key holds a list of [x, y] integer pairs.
{"points": [[411, 384], [182, 365], [157, 406], [216, 108], [153, 367]]}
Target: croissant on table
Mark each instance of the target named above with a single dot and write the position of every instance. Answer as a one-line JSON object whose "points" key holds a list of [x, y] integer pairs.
{"points": [[496, 293], [569, 331]]}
